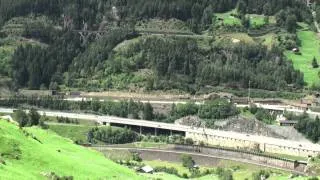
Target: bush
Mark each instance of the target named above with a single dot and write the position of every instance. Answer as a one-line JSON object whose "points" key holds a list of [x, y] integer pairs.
{"points": [[265, 116], [187, 161], [224, 174], [170, 170], [136, 157], [253, 108], [185, 175], [262, 174], [189, 141]]}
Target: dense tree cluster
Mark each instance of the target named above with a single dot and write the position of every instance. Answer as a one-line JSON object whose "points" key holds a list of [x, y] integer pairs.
{"points": [[307, 126], [121, 109], [217, 109], [35, 66], [27, 119], [197, 13], [92, 12], [9, 9], [95, 59], [112, 136], [180, 64]]}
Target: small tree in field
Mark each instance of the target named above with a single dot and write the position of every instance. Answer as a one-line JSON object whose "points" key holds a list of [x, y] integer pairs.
{"points": [[315, 63], [21, 117], [147, 111], [34, 117]]}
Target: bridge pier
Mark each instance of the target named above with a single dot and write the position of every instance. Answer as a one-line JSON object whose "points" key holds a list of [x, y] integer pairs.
{"points": [[140, 130], [105, 124], [155, 131]]}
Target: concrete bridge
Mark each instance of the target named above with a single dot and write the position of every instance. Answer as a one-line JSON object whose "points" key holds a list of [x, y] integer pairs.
{"points": [[208, 136]]}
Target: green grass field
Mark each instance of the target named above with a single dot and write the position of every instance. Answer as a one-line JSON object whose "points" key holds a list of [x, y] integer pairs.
{"points": [[310, 46], [81, 121], [52, 154], [73, 132], [257, 20]]}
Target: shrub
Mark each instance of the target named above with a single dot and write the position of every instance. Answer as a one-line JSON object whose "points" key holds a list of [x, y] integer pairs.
{"points": [[185, 175], [189, 141], [170, 170], [136, 157], [261, 174], [187, 161], [224, 174]]}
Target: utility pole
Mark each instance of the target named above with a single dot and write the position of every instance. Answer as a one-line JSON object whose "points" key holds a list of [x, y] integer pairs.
{"points": [[249, 92]]}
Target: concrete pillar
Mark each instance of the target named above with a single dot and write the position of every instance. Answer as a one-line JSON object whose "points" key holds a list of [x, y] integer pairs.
{"points": [[140, 130], [155, 131], [170, 132]]}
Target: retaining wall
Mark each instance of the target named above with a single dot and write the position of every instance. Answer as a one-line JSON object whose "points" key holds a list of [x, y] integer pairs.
{"points": [[245, 144], [252, 157]]}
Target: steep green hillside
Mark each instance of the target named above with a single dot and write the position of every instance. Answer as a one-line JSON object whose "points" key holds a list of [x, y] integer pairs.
{"points": [[139, 45], [309, 49], [41, 152]]}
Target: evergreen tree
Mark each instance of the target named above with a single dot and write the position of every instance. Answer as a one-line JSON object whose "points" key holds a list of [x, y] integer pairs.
{"points": [[90, 136], [315, 63], [34, 117], [242, 7], [147, 111], [21, 117], [291, 23]]}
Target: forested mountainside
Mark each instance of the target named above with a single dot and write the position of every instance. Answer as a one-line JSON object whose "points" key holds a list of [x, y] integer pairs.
{"points": [[151, 45]]}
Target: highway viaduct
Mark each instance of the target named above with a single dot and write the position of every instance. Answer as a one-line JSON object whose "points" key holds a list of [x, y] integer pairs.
{"points": [[208, 136]]}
